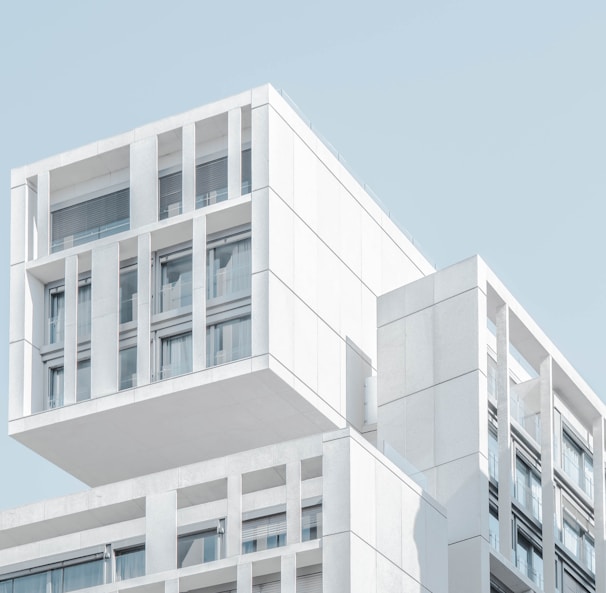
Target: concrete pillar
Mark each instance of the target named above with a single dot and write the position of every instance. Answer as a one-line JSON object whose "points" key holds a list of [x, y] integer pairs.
{"points": [[599, 504], [43, 214], [260, 146], [143, 182], [288, 574], [19, 226], [504, 432], [105, 319], [547, 480], [233, 535], [189, 167], [144, 287], [199, 293], [70, 345], [293, 502], [234, 153], [161, 532], [244, 578]]}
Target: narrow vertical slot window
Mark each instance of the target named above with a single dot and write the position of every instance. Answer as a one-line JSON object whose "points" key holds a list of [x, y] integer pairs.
{"points": [[128, 367], [83, 380], [246, 172], [56, 317], [128, 294], [170, 195], [84, 310], [55, 388]]}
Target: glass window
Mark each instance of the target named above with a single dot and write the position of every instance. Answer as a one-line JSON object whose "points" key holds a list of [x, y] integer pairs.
{"points": [[83, 380], [577, 464], [311, 523], [56, 319], [264, 533], [493, 529], [90, 220], [529, 560], [130, 563], [571, 538], [170, 195], [55, 388], [229, 270], [589, 553], [492, 377], [528, 489], [197, 548], [80, 576], [32, 583], [211, 182], [493, 456], [128, 294], [84, 311], [228, 341], [176, 281], [176, 355], [128, 367], [6, 586], [246, 172]]}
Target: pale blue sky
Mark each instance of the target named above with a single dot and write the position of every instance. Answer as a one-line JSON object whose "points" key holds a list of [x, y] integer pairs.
{"points": [[480, 125]]}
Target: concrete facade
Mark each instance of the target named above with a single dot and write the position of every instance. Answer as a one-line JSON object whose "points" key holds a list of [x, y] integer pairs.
{"points": [[264, 382]]}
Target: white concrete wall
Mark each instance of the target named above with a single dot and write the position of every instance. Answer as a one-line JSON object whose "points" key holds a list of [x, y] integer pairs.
{"points": [[381, 533], [326, 251], [432, 402]]}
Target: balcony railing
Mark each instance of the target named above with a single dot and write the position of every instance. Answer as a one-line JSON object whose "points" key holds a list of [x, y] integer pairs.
{"points": [[529, 421]]}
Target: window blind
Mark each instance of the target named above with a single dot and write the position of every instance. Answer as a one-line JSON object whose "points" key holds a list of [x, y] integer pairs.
{"points": [[170, 194], [211, 182], [273, 587], [263, 527], [310, 583], [246, 172], [90, 220]]}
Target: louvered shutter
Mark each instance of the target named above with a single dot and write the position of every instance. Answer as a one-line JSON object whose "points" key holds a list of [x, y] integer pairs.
{"points": [[273, 587], [211, 182], [310, 583], [170, 195], [90, 220], [264, 527]]}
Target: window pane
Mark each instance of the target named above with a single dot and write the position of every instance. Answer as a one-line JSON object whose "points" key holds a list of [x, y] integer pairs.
{"points": [[83, 380], [571, 460], [90, 220], [492, 377], [493, 530], [228, 270], [211, 182], [246, 172], [55, 389], [588, 477], [130, 564], [311, 523], [80, 576], [56, 321], [176, 356], [571, 539], [128, 367], [197, 548], [228, 341], [34, 583], [84, 312], [493, 457], [176, 283], [589, 554], [128, 295]]}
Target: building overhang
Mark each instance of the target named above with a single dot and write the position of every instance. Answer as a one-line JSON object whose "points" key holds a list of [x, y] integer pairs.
{"points": [[203, 415]]}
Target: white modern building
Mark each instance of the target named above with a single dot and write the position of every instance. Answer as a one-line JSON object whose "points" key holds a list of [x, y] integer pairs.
{"points": [[268, 388]]}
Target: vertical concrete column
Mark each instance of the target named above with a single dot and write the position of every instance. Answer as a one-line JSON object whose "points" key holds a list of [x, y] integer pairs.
{"points": [[70, 344], [144, 287], [293, 502], [199, 293], [547, 481], [260, 145], [234, 153], [19, 224], [189, 167], [105, 321], [599, 504], [504, 432], [43, 214], [233, 535], [244, 577], [288, 574], [161, 532], [143, 182]]}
